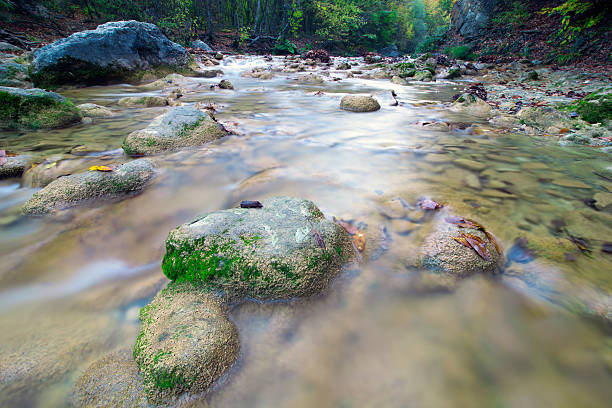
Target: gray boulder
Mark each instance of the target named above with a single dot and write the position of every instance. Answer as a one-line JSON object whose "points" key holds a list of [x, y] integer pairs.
{"points": [[35, 108], [423, 76], [390, 51], [285, 249], [225, 84], [14, 166], [186, 342], [469, 17], [359, 103], [179, 127], [545, 119], [113, 52], [146, 101], [14, 75], [201, 45], [76, 189]]}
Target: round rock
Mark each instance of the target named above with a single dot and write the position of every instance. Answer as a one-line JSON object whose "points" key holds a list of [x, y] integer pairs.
{"points": [[471, 105], [285, 249], [94, 111], [112, 381], [186, 342], [179, 127], [35, 108], [357, 103], [442, 254], [76, 189]]}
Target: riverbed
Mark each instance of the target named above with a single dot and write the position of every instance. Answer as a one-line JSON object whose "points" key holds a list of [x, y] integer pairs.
{"points": [[71, 285]]}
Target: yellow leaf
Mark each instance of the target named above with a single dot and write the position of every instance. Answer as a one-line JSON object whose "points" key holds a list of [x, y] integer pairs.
{"points": [[359, 241], [48, 166], [100, 168]]}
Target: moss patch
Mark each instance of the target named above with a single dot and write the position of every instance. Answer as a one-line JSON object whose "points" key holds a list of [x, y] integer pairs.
{"points": [[36, 111]]}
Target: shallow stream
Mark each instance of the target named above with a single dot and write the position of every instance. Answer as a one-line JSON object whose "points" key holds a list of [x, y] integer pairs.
{"points": [[71, 285]]}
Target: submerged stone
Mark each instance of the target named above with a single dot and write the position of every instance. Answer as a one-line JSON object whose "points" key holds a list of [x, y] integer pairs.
{"points": [[69, 191], [285, 249], [147, 101], [177, 128], [443, 255], [186, 342], [359, 103], [113, 52], [112, 381], [35, 108]]}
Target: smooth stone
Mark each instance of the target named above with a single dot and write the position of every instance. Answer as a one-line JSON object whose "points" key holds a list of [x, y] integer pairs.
{"points": [[359, 103], [562, 182], [470, 164]]}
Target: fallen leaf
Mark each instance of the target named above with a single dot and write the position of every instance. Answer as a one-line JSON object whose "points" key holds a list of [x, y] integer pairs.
{"points": [[350, 228], [493, 241], [100, 168], [464, 222], [318, 238], [50, 165], [478, 245], [428, 205], [251, 204], [564, 130], [461, 239], [359, 241]]}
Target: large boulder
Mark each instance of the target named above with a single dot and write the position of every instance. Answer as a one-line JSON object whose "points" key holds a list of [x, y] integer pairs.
{"points": [[186, 342], [76, 189], [469, 17], [35, 108], [442, 254], [199, 44], [390, 51], [359, 103], [179, 127], [545, 119], [113, 52], [285, 249]]}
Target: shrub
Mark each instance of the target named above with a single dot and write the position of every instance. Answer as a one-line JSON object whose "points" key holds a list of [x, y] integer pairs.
{"points": [[463, 52]]}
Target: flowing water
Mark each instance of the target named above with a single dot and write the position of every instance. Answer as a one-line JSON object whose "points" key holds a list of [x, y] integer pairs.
{"points": [[71, 285]]}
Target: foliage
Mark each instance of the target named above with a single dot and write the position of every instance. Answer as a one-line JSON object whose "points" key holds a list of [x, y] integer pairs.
{"points": [[515, 16], [576, 16], [463, 52], [594, 108], [284, 46]]}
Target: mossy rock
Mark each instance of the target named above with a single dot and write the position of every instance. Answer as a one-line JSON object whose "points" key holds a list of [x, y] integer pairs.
{"points": [[423, 76], [69, 191], [186, 342], [35, 109], [359, 103], [94, 111], [14, 75], [112, 381], [146, 101], [177, 128], [285, 249], [471, 105]]}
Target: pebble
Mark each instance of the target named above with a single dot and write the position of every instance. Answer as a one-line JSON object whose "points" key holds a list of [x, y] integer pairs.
{"points": [[570, 183], [470, 164]]}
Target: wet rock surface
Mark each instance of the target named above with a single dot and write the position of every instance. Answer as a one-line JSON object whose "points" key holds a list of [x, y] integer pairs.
{"points": [[178, 128], [14, 166], [285, 249], [35, 108], [355, 103], [95, 111], [186, 342], [116, 51], [76, 189]]}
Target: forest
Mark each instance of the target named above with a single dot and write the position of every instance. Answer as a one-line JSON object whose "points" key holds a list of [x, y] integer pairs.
{"points": [[354, 24]]}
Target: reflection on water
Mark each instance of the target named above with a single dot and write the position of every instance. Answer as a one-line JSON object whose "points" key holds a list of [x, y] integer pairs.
{"points": [[71, 285]]}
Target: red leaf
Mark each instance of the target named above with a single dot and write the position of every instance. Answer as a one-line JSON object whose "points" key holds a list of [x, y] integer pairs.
{"points": [[428, 205], [350, 228], [478, 245]]}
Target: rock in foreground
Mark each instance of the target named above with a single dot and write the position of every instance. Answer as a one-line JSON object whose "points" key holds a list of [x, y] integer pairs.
{"points": [[113, 52], [186, 342], [35, 109], [471, 105], [356, 103], [112, 381], [179, 127], [285, 249], [14, 166], [69, 191]]}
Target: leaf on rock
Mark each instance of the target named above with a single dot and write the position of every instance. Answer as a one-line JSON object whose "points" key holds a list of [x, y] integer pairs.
{"points": [[350, 228], [50, 165], [318, 238], [493, 241], [461, 239], [464, 222], [429, 205], [359, 241], [478, 245], [98, 168]]}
